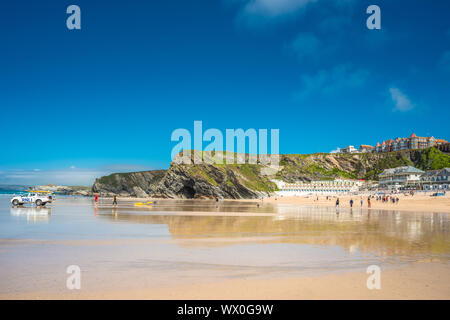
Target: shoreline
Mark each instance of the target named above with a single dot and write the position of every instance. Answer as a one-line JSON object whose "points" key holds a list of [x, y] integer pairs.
{"points": [[417, 203]]}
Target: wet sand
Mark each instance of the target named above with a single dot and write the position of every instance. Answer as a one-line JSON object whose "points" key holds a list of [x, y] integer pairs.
{"points": [[417, 203], [424, 281], [230, 250]]}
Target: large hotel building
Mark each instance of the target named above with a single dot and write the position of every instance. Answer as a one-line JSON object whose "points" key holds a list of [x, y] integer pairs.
{"points": [[413, 142]]}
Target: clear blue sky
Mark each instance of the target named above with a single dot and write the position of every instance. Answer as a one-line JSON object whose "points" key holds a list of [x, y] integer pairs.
{"points": [[81, 103]]}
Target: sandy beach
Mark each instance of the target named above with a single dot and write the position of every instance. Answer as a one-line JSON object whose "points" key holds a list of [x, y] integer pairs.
{"points": [[289, 248], [424, 280], [417, 203]]}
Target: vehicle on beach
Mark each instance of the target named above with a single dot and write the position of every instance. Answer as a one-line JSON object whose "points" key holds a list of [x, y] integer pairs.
{"points": [[39, 199]]}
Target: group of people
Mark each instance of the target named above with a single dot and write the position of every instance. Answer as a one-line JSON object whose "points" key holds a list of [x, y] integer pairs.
{"points": [[352, 202], [385, 199], [114, 200]]}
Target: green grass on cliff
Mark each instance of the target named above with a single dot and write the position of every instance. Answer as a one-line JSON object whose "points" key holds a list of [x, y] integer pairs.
{"points": [[433, 159], [201, 172], [248, 175], [253, 178], [110, 180], [315, 169], [365, 165], [424, 159]]}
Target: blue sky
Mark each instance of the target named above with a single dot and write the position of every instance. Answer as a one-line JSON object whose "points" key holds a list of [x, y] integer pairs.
{"points": [[76, 104]]}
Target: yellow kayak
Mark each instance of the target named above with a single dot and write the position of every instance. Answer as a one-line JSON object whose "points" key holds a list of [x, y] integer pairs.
{"points": [[143, 203]]}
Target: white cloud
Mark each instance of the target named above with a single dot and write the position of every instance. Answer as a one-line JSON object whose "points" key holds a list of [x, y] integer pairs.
{"points": [[257, 12], [337, 150], [332, 81], [69, 176], [274, 8], [401, 100], [60, 177]]}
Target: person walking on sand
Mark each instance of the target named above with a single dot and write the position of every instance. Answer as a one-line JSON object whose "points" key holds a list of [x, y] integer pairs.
{"points": [[361, 202], [337, 203], [368, 202], [96, 198], [351, 203], [115, 201]]}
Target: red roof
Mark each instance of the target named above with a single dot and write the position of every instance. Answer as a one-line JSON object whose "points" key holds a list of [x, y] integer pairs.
{"points": [[413, 135]]}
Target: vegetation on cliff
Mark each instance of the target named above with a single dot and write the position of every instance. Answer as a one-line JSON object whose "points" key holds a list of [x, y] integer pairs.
{"points": [[249, 181], [321, 166]]}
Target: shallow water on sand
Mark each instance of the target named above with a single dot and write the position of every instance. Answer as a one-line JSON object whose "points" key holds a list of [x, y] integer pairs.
{"points": [[182, 242]]}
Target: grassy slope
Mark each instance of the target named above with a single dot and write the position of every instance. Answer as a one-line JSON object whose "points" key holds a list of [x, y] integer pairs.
{"points": [[367, 165]]}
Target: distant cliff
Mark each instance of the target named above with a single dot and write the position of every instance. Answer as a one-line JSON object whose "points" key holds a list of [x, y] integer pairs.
{"points": [[138, 184], [240, 181], [65, 190]]}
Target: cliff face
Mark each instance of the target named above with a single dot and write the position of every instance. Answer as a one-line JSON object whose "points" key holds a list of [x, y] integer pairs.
{"points": [[248, 181], [189, 181], [137, 184], [215, 181], [358, 165]]}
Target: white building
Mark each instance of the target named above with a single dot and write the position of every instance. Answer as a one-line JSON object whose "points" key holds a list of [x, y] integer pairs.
{"points": [[400, 177], [325, 187], [349, 149], [436, 179]]}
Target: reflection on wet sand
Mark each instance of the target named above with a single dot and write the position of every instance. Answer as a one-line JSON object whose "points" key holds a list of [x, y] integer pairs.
{"points": [[32, 214], [207, 206], [183, 243], [386, 233]]}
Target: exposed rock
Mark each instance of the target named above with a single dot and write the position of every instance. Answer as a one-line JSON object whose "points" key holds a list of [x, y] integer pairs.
{"points": [[129, 184], [138, 192], [249, 181]]}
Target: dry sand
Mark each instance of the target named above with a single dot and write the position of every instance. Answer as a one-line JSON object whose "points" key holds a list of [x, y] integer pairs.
{"points": [[417, 203]]}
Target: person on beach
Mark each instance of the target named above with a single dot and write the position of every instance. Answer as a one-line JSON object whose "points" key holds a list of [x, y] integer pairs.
{"points": [[115, 201], [337, 203], [368, 202], [361, 201], [96, 198], [351, 203]]}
